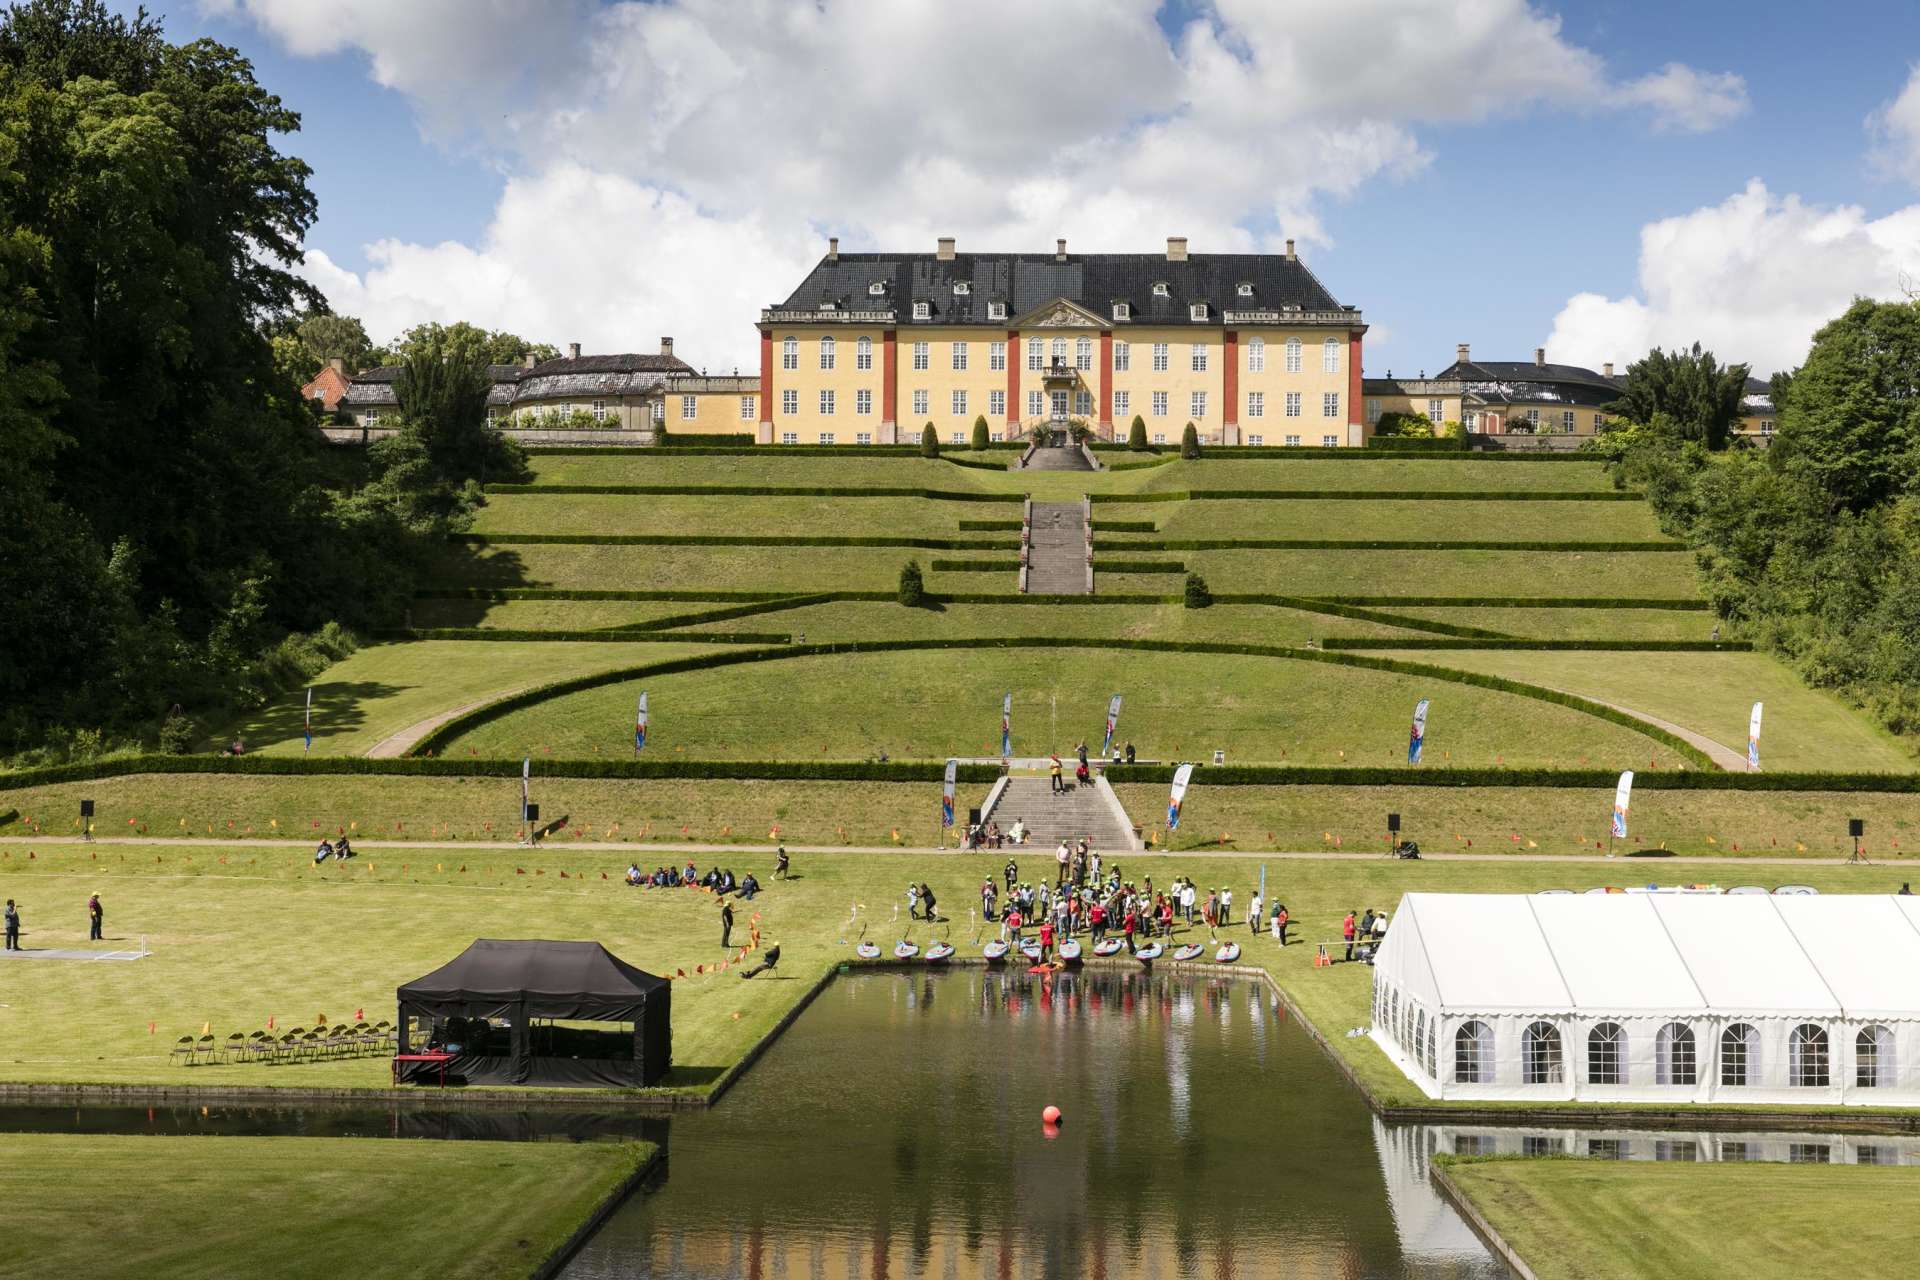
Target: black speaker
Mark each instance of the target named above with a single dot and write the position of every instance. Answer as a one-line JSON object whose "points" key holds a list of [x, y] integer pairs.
{"points": [[533, 813], [1393, 823], [86, 808], [973, 817], [1856, 827]]}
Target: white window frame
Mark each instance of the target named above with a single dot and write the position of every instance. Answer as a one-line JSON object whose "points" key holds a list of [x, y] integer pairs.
{"points": [[1373, 409], [878, 289], [826, 437], [1083, 354], [923, 311], [1122, 311], [746, 408], [997, 357], [1083, 404], [828, 354], [959, 357], [1293, 405], [1296, 355], [1036, 404], [1244, 289], [1059, 352], [959, 437], [1329, 404], [997, 403], [827, 400], [863, 437], [1160, 289], [689, 408], [1196, 404], [1607, 1053], [1566, 420], [1256, 440], [1036, 355], [659, 409], [1197, 311], [1197, 359], [1436, 411], [996, 311], [961, 288], [922, 360], [1160, 357], [1292, 442], [789, 437], [1330, 356], [599, 411], [863, 353], [1159, 404], [1159, 437], [1120, 399], [862, 403], [1256, 404], [790, 401], [958, 401], [1122, 357], [920, 398], [1329, 442], [790, 353], [1256, 355], [1809, 1057]]}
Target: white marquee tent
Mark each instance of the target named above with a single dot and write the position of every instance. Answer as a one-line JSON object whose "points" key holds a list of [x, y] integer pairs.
{"points": [[1654, 997]]}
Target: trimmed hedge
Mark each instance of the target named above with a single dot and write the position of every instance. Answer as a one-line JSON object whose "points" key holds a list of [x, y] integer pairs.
{"points": [[1678, 605], [724, 540], [1305, 605], [1664, 646], [585, 593], [757, 491], [1361, 495], [1375, 544], [967, 526], [1397, 666], [1117, 526], [1418, 444], [722, 615], [977, 464], [1138, 566], [1347, 453], [1254, 775], [622, 636], [717, 442]]}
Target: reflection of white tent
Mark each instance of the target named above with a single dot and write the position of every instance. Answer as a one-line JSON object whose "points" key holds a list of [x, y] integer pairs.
{"points": [[1429, 1228], [1654, 996]]}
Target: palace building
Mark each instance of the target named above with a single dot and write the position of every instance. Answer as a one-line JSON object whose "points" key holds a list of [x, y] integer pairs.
{"points": [[1250, 348], [1501, 397]]}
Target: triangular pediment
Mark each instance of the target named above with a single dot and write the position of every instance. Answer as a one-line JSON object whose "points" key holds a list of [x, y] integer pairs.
{"points": [[1061, 313]]}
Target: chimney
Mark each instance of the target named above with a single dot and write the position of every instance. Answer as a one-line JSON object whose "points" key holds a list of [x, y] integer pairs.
{"points": [[1291, 256], [833, 248], [1606, 370], [1059, 250], [1176, 248], [529, 360], [946, 249], [666, 346], [573, 351], [337, 363], [1462, 354], [1540, 355]]}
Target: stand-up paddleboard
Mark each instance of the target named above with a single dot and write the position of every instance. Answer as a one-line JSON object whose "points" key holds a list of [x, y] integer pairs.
{"points": [[868, 951], [1191, 951], [1070, 951], [904, 950], [1228, 953], [1149, 952], [1107, 946], [1030, 949], [995, 952], [939, 951]]}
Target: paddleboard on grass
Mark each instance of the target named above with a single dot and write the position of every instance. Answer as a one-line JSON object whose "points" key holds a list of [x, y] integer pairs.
{"points": [[1191, 951], [904, 950], [1070, 951], [1107, 946], [1228, 953], [1151, 951], [1030, 949], [994, 951], [868, 951], [939, 951]]}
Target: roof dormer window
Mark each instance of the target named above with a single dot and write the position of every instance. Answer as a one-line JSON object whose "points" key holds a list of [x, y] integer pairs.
{"points": [[1246, 289], [878, 289], [1197, 311], [827, 304], [996, 311], [1159, 288], [922, 310], [1122, 311], [961, 288]]}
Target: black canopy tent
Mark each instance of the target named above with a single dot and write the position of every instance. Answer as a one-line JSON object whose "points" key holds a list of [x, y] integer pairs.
{"points": [[494, 1005]]}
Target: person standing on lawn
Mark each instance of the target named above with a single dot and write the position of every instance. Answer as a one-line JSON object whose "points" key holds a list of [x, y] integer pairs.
{"points": [[726, 924], [13, 926], [1254, 914], [96, 915], [1347, 931]]}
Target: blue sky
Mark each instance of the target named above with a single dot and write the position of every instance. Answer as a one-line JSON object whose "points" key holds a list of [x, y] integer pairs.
{"points": [[1529, 200]]}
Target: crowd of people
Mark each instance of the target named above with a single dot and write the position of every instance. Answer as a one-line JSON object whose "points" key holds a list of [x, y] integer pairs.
{"points": [[720, 880]]}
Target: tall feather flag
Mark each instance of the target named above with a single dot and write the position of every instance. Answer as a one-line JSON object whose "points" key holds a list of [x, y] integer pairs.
{"points": [[1753, 739], [640, 726], [1418, 738], [1113, 718], [309, 746], [1181, 777], [1622, 794], [526, 775], [946, 795], [1006, 727]]}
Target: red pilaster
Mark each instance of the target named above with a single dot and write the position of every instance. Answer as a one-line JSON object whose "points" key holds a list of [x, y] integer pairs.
{"points": [[1106, 381], [889, 379], [1356, 407], [1013, 377], [1230, 384], [766, 386]]}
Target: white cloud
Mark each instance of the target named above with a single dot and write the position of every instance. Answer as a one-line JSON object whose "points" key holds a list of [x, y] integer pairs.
{"points": [[1895, 130], [890, 122], [1750, 278]]}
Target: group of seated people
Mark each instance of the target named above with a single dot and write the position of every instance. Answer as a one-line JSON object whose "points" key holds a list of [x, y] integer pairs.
{"points": [[987, 835], [721, 881], [328, 849]]}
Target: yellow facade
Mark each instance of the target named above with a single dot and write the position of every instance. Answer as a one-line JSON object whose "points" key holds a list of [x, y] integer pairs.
{"points": [[711, 406], [1263, 370], [798, 408], [927, 394]]}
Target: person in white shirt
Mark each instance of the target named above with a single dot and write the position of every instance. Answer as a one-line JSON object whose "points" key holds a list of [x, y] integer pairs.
{"points": [[1226, 906], [1253, 912]]}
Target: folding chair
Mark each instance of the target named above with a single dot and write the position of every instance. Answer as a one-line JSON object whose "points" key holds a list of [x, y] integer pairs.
{"points": [[205, 1045], [182, 1049]]}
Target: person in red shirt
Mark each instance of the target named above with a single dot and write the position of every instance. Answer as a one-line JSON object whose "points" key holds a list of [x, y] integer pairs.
{"points": [[1166, 918], [1097, 918], [1010, 926], [1346, 931], [1128, 926], [1046, 940]]}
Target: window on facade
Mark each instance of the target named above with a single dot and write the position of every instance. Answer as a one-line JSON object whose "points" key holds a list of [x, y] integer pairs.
{"points": [[1607, 1054], [1873, 1062], [746, 408], [1120, 399], [1566, 421], [1036, 355], [1198, 311], [1122, 357], [1256, 440], [1330, 356], [1159, 437], [1541, 1061], [863, 437], [1256, 404], [1293, 404], [1809, 1153], [997, 404], [1533, 417], [1059, 350], [996, 311], [1159, 357], [959, 357], [689, 408], [1198, 360], [826, 353], [1293, 355], [1083, 353], [1257, 355], [961, 288], [1739, 1055], [789, 437], [790, 353], [789, 402], [1083, 403], [373, 417], [1373, 409], [920, 403], [1329, 442], [1330, 404], [1807, 1057], [1293, 441], [1244, 289], [920, 358], [1473, 1054], [1121, 311], [1160, 288], [1675, 1061], [959, 437], [996, 356], [1036, 404], [878, 289], [1675, 1150], [826, 403], [1600, 420], [922, 310], [1159, 404], [863, 402], [959, 402], [659, 410], [863, 354], [1435, 408], [1197, 404], [600, 410], [1871, 1153], [826, 437]]}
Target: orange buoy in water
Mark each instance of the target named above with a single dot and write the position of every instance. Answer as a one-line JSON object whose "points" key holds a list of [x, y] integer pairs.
{"points": [[1050, 1116]]}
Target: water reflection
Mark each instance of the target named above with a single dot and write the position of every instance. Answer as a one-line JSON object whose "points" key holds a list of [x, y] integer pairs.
{"points": [[895, 1131]]}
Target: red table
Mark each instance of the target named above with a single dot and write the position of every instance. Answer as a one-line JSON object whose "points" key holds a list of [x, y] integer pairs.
{"points": [[439, 1059]]}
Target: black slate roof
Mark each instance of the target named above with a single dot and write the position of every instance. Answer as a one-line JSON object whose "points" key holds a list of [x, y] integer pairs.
{"points": [[1527, 371], [1095, 281]]}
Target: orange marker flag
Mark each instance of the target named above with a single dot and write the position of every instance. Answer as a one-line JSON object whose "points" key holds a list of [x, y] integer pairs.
{"points": [[206, 1028]]}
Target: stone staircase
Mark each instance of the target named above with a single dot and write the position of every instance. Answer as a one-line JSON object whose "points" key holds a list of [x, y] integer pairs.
{"points": [[1091, 811], [1058, 457], [1057, 549]]}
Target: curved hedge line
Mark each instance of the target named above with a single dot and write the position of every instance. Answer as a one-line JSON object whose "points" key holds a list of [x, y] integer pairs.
{"points": [[758, 491], [722, 615], [1138, 566], [726, 540], [1361, 495], [976, 463], [1652, 646], [453, 728], [623, 635], [1375, 544]]}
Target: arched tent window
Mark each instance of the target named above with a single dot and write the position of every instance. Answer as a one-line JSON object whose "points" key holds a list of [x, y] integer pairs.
{"points": [[1293, 355], [1607, 1054], [1807, 1056], [1393, 1014], [1330, 356], [1473, 1054], [1739, 1055], [1432, 1041], [1420, 1036], [1541, 1058], [1674, 1058], [1873, 1061]]}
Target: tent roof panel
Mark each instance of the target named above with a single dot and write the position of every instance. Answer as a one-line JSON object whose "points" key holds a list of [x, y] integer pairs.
{"points": [[1866, 948], [1487, 952], [1742, 954], [1614, 953]]}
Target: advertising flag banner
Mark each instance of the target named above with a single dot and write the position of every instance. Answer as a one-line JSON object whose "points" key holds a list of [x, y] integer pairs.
{"points": [[1181, 777], [1006, 728], [309, 746], [1753, 739], [1418, 739], [1621, 795], [1113, 718], [526, 773], [640, 726], [946, 796]]}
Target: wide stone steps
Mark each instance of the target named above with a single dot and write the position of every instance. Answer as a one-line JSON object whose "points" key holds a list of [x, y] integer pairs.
{"points": [[1058, 458], [1057, 550], [1087, 811]]}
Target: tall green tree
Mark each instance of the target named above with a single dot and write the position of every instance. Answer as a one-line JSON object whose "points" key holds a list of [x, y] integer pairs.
{"points": [[1699, 396], [1849, 418], [327, 335]]}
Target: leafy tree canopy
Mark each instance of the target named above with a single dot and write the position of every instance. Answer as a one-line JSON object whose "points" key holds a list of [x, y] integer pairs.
{"points": [[1699, 396]]}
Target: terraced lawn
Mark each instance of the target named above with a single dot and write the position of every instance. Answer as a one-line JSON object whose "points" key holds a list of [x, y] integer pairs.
{"points": [[1392, 519], [1580, 624], [768, 468], [1417, 475], [611, 514], [1246, 624], [928, 705], [562, 615], [789, 570], [1521, 574]]}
